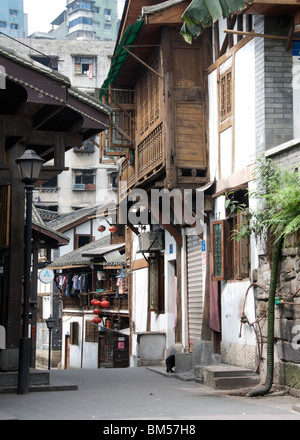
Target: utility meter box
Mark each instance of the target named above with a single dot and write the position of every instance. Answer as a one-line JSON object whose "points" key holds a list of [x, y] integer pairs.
{"points": [[151, 241]]}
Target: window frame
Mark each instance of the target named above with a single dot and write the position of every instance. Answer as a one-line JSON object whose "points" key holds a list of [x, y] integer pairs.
{"points": [[74, 333], [226, 94], [156, 284]]}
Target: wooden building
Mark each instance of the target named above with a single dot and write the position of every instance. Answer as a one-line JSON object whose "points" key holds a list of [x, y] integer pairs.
{"points": [[196, 113], [39, 110], [157, 88]]}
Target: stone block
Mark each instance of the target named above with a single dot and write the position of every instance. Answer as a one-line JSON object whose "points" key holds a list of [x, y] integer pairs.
{"points": [[290, 375], [183, 362], [287, 353]]}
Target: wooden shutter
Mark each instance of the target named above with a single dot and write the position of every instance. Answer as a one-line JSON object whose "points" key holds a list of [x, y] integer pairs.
{"points": [[91, 332], [74, 333]]}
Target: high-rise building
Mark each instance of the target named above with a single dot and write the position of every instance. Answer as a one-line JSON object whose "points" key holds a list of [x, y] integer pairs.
{"points": [[88, 19], [13, 22]]}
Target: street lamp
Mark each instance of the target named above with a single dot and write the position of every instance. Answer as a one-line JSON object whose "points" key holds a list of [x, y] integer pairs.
{"points": [[50, 325], [29, 165]]}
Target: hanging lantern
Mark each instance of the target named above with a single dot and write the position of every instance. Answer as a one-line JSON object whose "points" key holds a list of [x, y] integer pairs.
{"points": [[113, 228], [97, 311], [104, 303], [97, 303], [101, 228], [97, 320], [93, 302]]}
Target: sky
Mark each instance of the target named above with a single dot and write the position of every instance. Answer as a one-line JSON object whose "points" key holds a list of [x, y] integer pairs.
{"points": [[41, 13]]}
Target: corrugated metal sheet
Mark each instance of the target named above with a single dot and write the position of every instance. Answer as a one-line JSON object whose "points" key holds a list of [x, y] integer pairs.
{"points": [[195, 287], [121, 55]]}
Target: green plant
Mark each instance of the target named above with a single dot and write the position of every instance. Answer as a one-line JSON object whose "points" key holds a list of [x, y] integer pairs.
{"points": [[276, 217]]}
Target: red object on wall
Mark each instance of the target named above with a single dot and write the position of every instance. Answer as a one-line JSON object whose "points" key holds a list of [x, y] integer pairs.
{"points": [[97, 311], [101, 228], [113, 228]]}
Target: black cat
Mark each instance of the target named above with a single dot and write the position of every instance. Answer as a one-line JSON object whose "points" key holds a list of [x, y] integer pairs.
{"points": [[170, 363]]}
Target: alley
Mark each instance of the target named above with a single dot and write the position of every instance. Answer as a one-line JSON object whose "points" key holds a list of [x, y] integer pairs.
{"points": [[139, 394]]}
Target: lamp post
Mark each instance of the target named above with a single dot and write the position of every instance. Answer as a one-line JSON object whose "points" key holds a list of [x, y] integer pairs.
{"points": [[29, 165], [50, 325]]}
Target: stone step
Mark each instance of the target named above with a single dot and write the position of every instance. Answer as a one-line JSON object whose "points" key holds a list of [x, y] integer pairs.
{"points": [[36, 377], [229, 377]]}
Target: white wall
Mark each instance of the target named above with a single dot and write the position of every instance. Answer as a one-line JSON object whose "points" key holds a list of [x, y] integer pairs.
{"points": [[245, 106], [233, 158], [81, 356], [164, 322]]}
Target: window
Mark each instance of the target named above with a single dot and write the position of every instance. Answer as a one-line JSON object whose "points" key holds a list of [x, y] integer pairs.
{"points": [[107, 11], [226, 94], [74, 333], [107, 27], [91, 332], [13, 12], [238, 249], [156, 284], [84, 66], [2, 24], [82, 240], [87, 147], [81, 20], [230, 255], [14, 26], [218, 250], [84, 180]]}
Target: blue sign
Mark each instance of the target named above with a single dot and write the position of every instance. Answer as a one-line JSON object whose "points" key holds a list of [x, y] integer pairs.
{"points": [[203, 246], [170, 249]]}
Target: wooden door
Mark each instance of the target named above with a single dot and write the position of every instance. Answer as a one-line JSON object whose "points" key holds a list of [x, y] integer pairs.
{"points": [[67, 352]]}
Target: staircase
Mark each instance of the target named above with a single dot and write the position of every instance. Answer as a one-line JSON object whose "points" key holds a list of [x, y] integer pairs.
{"points": [[228, 377]]}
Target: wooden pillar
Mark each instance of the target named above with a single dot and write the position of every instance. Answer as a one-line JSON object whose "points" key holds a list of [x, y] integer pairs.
{"points": [[2, 142], [9, 357], [169, 109]]}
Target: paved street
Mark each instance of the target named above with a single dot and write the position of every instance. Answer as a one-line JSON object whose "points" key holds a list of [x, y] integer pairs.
{"points": [[139, 394]]}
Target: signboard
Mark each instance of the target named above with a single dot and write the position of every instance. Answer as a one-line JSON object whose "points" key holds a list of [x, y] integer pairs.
{"points": [[46, 276]]}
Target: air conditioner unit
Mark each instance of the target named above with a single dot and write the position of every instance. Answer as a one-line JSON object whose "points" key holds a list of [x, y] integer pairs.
{"points": [[78, 187], [107, 17], [151, 241]]}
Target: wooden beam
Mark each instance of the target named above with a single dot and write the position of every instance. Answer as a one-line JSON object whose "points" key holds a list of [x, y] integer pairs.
{"points": [[254, 34], [142, 62], [122, 132], [122, 108], [59, 151]]}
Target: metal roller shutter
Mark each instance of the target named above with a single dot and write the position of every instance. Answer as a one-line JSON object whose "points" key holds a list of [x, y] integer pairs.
{"points": [[195, 288]]}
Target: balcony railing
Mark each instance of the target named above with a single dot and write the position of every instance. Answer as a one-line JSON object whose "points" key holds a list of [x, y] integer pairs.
{"points": [[150, 153]]}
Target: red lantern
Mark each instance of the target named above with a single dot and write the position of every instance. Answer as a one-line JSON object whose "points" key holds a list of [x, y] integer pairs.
{"points": [[97, 311], [97, 320], [104, 304], [101, 228], [113, 228], [97, 303], [93, 302]]}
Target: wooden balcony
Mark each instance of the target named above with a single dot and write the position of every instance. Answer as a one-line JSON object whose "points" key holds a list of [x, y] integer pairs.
{"points": [[150, 154]]}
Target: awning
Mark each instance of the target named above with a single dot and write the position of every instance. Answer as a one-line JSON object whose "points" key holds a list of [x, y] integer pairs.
{"points": [[121, 55], [202, 13]]}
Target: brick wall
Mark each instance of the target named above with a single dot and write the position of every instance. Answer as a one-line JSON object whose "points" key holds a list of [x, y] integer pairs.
{"points": [[274, 93]]}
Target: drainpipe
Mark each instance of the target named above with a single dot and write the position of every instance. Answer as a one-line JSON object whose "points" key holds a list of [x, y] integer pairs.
{"points": [[271, 316]]}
